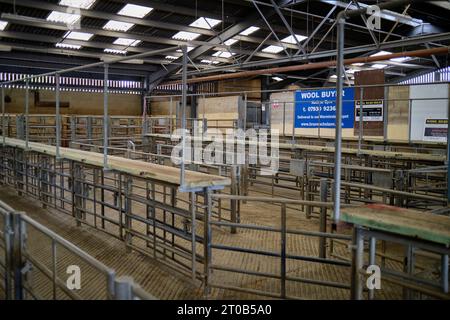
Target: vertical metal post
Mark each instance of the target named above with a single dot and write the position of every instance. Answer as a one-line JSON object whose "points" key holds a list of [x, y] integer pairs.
{"points": [[448, 155], [123, 288], [193, 233], [9, 238], [234, 191], [27, 111], [361, 123], [58, 118], [105, 119], [372, 261], [356, 288], [207, 239], [323, 218], [17, 260], [338, 135], [283, 251], [183, 114], [3, 116], [444, 273], [409, 269]]}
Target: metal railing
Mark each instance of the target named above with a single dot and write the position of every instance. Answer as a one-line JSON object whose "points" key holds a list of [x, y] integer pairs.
{"points": [[22, 260], [283, 276]]}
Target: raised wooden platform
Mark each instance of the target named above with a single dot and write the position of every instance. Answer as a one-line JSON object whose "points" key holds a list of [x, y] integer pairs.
{"points": [[164, 174], [350, 151], [406, 222]]}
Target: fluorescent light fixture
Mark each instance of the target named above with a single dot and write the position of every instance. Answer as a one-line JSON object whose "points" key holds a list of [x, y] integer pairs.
{"points": [[230, 42], [291, 39], [78, 35], [333, 76], [67, 46], [63, 17], [3, 25], [209, 61], [114, 51], [127, 42], [205, 23], [351, 71], [185, 35], [359, 64], [277, 79], [82, 4], [223, 54], [117, 26], [379, 66], [171, 58], [132, 10], [189, 49], [249, 31], [273, 49]]}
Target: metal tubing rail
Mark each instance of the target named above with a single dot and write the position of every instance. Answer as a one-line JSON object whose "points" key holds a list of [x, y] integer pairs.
{"points": [[282, 254], [341, 18], [16, 235]]}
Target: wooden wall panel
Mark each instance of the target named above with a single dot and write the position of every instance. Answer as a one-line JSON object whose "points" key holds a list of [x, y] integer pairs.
{"points": [[80, 103], [370, 77]]}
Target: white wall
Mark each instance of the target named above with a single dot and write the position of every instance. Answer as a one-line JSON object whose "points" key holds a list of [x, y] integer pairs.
{"points": [[421, 110]]}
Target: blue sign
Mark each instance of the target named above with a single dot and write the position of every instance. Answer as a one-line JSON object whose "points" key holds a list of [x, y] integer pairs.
{"points": [[317, 108]]}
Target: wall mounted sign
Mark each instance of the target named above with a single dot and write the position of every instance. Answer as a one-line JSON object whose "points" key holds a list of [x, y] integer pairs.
{"points": [[317, 108]]}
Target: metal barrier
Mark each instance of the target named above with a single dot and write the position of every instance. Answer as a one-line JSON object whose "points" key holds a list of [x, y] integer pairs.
{"points": [[23, 261], [237, 253]]}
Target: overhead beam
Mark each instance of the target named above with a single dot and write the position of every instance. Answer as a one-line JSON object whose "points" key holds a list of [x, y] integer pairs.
{"points": [[232, 31], [385, 14], [319, 65], [413, 41]]}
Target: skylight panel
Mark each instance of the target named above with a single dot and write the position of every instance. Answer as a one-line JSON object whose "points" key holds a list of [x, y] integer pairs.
{"points": [[273, 49], [206, 61], [249, 31], [379, 66], [78, 35], [117, 26], [277, 79], [205, 23], [401, 59], [185, 35], [291, 39], [127, 42], [3, 25], [68, 46], [381, 53], [63, 17], [188, 49], [82, 4], [114, 51], [132, 10], [230, 42], [223, 54]]}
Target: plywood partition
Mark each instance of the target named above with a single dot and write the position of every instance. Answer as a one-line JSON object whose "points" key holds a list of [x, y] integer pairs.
{"points": [[220, 112], [79, 103], [398, 114]]}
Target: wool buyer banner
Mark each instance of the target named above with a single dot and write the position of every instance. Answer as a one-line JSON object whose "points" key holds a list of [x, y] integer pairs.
{"points": [[317, 108]]}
